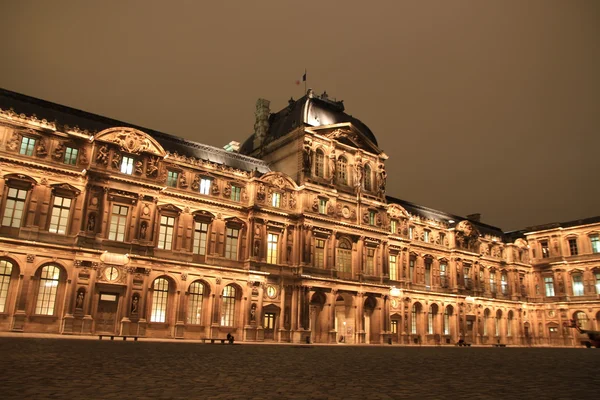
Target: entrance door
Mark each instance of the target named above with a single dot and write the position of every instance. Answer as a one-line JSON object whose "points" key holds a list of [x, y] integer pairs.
{"points": [[469, 336], [269, 326], [106, 316]]}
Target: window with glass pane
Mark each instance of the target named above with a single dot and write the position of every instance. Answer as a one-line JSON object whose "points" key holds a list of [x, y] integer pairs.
{"points": [[70, 156], [411, 268], [195, 297], [15, 204], [486, 316], [276, 200], [47, 291], [370, 268], [320, 253], [344, 257], [160, 296], [320, 164], [236, 193], [5, 273], [60, 215], [322, 206], [549, 283], [118, 223], [127, 165], [509, 322], [272, 240], [367, 181], [492, 282], [269, 321], [394, 326], [27, 146], [410, 232], [577, 285], [205, 185], [428, 263], [467, 277], [497, 325], [446, 322], [426, 236], [231, 243], [371, 217], [573, 246], [228, 306], [393, 226], [165, 233], [200, 237], [413, 320], [595, 242], [504, 283], [443, 276], [582, 319], [442, 239], [172, 178], [598, 282], [430, 321], [545, 249], [393, 268], [341, 171]]}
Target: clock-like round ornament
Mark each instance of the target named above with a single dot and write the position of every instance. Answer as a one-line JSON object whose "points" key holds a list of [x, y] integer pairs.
{"points": [[111, 274], [271, 291]]}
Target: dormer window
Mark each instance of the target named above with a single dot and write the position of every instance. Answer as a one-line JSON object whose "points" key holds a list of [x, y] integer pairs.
{"points": [[342, 175], [71, 156], [276, 200], [371, 217], [367, 181], [320, 164], [127, 165], [545, 249], [27, 146], [426, 234], [205, 185], [236, 193], [172, 178], [573, 246], [393, 226], [322, 206]]}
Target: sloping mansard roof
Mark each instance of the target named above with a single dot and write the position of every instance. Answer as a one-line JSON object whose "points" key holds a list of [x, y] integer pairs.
{"points": [[71, 117]]}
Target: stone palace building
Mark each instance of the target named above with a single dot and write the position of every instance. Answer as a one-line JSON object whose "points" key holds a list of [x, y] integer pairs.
{"points": [[291, 237]]}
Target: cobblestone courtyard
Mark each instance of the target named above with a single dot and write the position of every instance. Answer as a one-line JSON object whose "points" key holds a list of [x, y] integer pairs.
{"points": [[36, 368]]}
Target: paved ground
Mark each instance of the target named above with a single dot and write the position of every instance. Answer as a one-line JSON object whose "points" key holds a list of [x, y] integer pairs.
{"points": [[40, 368]]}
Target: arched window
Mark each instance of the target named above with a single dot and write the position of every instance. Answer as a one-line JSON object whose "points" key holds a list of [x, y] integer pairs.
{"points": [[344, 256], [577, 284], [509, 323], [342, 173], [320, 164], [416, 308], [160, 297], [367, 181], [5, 273], [47, 291], [486, 316], [497, 322], [431, 318], [447, 314], [581, 319], [228, 306], [195, 297]]}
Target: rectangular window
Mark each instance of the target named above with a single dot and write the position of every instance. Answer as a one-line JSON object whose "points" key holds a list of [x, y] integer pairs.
{"points": [[443, 275], [371, 217], [118, 222], [504, 283], [127, 165], [467, 277], [276, 200], [165, 233], [573, 246], [200, 237], [344, 260], [71, 156], [598, 282], [205, 185], [394, 326], [442, 239], [393, 228], [595, 241], [172, 178], [269, 321], [481, 280], [411, 269], [231, 245], [393, 267], [577, 285], [430, 323], [549, 283], [60, 215], [370, 267], [272, 240], [428, 271], [322, 206], [410, 232], [545, 249], [426, 236], [492, 282], [320, 253], [27, 146], [15, 205], [236, 193]]}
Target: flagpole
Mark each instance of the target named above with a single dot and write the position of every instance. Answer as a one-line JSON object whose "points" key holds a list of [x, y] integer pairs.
{"points": [[305, 78]]}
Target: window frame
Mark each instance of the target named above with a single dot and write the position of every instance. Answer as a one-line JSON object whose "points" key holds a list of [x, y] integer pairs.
{"points": [[127, 163], [228, 305], [47, 294], [7, 269], [195, 302], [14, 209], [173, 178], [342, 170], [166, 233], [272, 248], [160, 300], [319, 163], [573, 248], [120, 218], [27, 149], [230, 252], [205, 185], [66, 219], [71, 155]]}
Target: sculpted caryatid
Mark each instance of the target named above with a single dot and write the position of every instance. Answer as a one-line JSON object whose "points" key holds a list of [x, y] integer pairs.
{"points": [[332, 167], [381, 179], [358, 173], [307, 156]]}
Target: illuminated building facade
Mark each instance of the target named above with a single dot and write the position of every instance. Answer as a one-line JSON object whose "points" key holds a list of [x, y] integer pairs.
{"points": [[112, 228]]}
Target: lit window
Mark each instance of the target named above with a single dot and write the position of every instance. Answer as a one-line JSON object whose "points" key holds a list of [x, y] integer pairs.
{"points": [[322, 206], [504, 283], [276, 200], [236, 193], [118, 223], [27, 146], [200, 237], [598, 282], [269, 321], [426, 236], [393, 228], [272, 248], [15, 204], [497, 324], [344, 257], [545, 249], [70, 156], [165, 233], [5, 273], [320, 253], [371, 217], [595, 241], [341, 171], [160, 296], [467, 276], [367, 181], [492, 282], [413, 319], [231, 244], [195, 297], [481, 280], [47, 291], [394, 326], [60, 215], [127, 165], [228, 306], [411, 268], [549, 283], [370, 267], [430, 320], [509, 323], [486, 317], [172, 178], [428, 263], [443, 276], [442, 239], [410, 232], [320, 164], [577, 285], [393, 268], [447, 321], [205, 185], [573, 246], [582, 319]]}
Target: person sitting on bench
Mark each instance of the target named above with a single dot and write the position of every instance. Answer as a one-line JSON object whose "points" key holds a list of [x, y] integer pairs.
{"points": [[230, 338]]}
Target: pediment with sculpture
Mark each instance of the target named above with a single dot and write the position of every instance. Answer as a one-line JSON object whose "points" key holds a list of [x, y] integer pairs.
{"points": [[348, 134], [131, 141], [467, 236]]}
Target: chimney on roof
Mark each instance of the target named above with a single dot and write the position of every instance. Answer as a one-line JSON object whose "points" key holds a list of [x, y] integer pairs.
{"points": [[232, 146], [474, 217], [261, 125]]}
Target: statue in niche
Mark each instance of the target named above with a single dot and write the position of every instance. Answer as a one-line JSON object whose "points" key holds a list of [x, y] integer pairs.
{"points": [[261, 195], [13, 143], [227, 190], [138, 167], [358, 173], [59, 152], [102, 156], [307, 156], [83, 156], [332, 167], [381, 179], [253, 313], [91, 224], [135, 301], [315, 205], [256, 247], [80, 298], [152, 168], [40, 150], [143, 229], [116, 161], [214, 187], [183, 181], [196, 183]]}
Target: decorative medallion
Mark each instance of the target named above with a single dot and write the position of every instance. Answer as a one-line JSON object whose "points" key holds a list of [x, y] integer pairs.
{"points": [[346, 212], [271, 291], [394, 303], [111, 273]]}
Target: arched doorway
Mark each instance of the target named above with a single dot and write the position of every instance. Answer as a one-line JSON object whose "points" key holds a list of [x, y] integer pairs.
{"points": [[270, 319], [369, 318], [317, 318], [344, 323]]}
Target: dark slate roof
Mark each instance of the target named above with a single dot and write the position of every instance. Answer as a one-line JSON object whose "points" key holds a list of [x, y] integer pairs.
{"points": [[440, 216], [67, 116], [554, 225], [297, 112]]}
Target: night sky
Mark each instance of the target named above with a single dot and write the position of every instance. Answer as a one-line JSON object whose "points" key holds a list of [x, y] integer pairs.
{"points": [[482, 106]]}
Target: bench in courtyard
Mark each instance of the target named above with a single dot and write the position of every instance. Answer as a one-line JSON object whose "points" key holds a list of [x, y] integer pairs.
{"points": [[112, 337], [499, 345], [216, 340]]}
